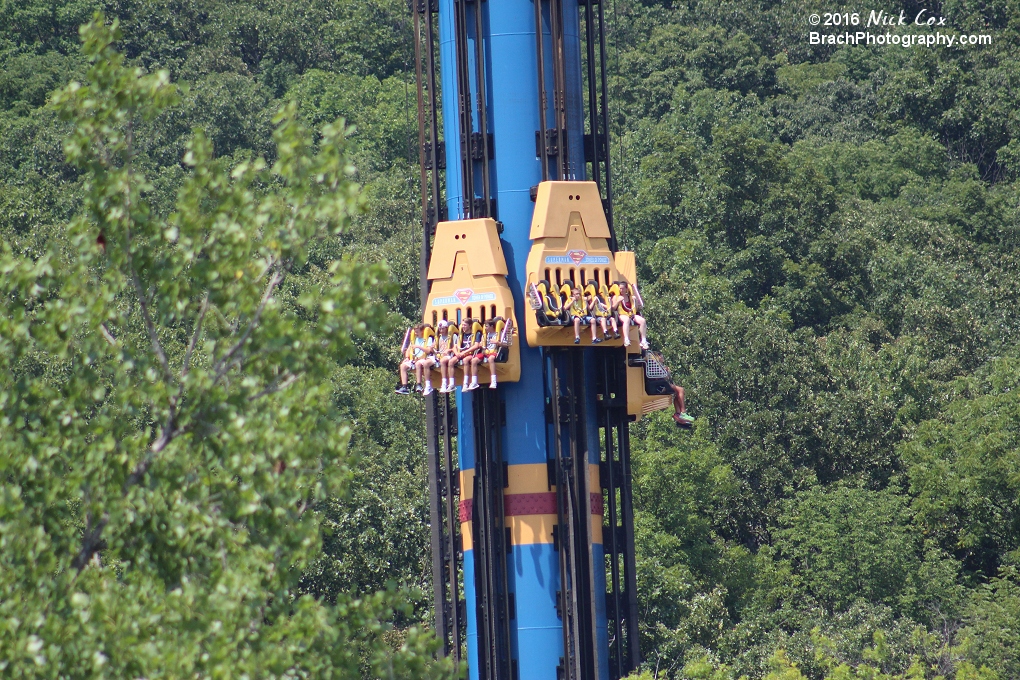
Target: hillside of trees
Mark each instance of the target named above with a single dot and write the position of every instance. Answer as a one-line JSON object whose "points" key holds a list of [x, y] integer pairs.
{"points": [[828, 243]]}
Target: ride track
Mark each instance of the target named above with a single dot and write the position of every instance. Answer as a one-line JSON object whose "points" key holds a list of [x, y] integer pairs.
{"points": [[530, 490]]}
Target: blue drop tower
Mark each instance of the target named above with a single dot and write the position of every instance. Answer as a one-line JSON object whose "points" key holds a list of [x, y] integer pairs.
{"points": [[530, 482]]}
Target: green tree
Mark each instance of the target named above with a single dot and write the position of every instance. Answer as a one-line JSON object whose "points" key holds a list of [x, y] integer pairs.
{"points": [[964, 472], [166, 442]]}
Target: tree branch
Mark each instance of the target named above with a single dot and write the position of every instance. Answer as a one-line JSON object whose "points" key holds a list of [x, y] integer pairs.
{"points": [[170, 430], [108, 335], [222, 365], [150, 327], [281, 383], [194, 338], [91, 541]]}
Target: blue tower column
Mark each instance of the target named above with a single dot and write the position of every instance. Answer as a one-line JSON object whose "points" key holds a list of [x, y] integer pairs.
{"points": [[513, 119]]}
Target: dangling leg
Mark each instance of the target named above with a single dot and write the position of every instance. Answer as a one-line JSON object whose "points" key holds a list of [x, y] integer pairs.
{"points": [[679, 401], [427, 365], [402, 389], [625, 322], [641, 330], [465, 366], [680, 416], [417, 376], [577, 330], [492, 371], [475, 360], [448, 362]]}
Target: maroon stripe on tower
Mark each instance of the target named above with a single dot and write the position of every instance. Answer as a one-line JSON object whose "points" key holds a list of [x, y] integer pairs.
{"points": [[529, 504]]}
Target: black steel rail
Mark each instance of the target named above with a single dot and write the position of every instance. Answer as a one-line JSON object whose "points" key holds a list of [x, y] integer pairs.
{"points": [[465, 121], [559, 88], [481, 109], [565, 384], [597, 145], [439, 419], [541, 143], [491, 543], [618, 532], [450, 489]]}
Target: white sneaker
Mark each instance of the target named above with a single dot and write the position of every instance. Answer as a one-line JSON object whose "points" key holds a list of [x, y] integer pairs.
{"points": [[472, 386], [492, 385], [626, 341], [446, 387], [644, 344], [428, 389]]}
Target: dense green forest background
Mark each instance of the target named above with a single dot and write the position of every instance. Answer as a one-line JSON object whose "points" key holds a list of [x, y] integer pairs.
{"points": [[828, 243]]}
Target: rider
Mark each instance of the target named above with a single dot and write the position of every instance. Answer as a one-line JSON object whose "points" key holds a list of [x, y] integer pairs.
{"points": [[418, 349], [598, 312], [446, 353], [627, 306], [424, 364], [470, 346], [577, 309], [493, 343]]}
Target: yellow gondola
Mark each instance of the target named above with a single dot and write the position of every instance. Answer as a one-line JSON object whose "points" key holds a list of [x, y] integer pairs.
{"points": [[467, 280], [570, 247]]}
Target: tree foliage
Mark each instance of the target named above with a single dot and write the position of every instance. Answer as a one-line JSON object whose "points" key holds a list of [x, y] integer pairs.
{"points": [[827, 244], [166, 448]]}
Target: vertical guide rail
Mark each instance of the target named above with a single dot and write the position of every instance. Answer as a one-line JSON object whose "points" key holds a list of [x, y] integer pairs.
{"points": [[440, 556], [543, 96], [604, 100], [627, 517], [559, 87], [452, 534], [610, 475], [573, 512], [436, 157], [422, 160], [570, 663], [621, 601], [593, 106], [466, 124], [443, 489], [584, 586], [482, 108], [598, 111], [429, 157], [491, 546]]}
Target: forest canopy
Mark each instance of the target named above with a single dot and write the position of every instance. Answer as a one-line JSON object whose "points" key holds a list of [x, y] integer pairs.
{"points": [[827, 240]]}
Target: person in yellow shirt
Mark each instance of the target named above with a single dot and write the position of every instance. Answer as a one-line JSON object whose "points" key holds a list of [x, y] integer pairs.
{"points": [[577, 310], [598, 313], [446, 355], [493, 344]]}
